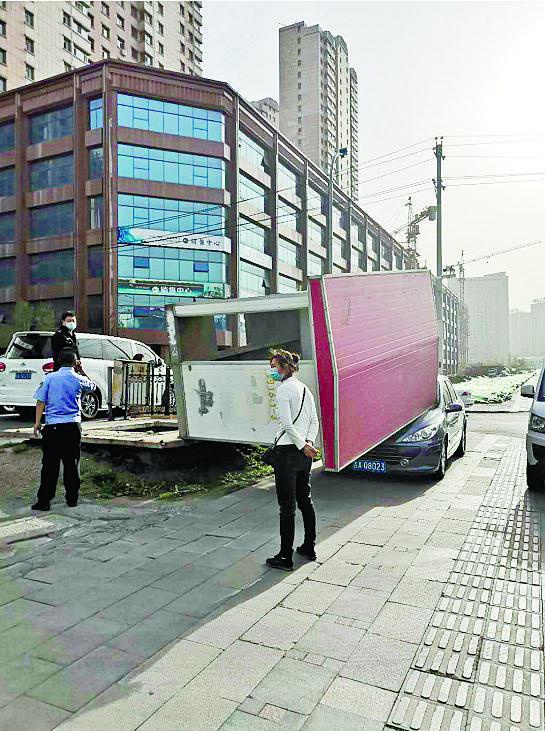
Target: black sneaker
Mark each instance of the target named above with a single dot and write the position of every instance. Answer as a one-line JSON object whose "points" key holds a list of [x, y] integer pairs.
{"points": [[280, 562], [71, 505], [308, 553], [37, 506]]}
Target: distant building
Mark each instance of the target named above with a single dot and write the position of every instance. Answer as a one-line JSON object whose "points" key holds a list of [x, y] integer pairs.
{"points": [[538, 327], [520, 334], [42, 39], [269, 109], [450, 362], [487, 302], [319, 99]]}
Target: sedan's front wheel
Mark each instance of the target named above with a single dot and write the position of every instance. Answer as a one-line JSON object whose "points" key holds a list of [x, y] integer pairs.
{"points": [[442, 467], [535, 476]]}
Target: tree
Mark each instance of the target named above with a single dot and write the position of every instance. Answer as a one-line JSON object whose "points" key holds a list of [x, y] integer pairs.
{"points": [[44, 317], [22, 316]]}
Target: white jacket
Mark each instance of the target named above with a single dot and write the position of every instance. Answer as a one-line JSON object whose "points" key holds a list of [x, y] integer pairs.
{"points": [[288, 398]]}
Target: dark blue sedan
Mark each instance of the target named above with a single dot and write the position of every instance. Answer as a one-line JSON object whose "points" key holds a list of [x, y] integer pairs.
{"points": [[426, 445]]}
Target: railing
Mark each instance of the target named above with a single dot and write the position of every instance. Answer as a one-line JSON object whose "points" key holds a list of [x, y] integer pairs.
{"points": [[143, 388]]}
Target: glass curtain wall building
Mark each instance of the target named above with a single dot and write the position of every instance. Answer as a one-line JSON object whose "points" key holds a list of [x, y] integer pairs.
{"points": [[125, 188]]}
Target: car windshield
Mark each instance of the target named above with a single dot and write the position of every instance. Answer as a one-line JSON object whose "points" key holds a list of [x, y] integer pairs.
{"points": [[30, 346]]}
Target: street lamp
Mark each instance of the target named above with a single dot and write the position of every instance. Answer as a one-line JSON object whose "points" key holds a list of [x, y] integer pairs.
{"points": [[341, 152]]}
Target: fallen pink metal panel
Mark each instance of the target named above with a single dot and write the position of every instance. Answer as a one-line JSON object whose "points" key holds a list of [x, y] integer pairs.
{"points": [[324, 369], [382, 341]]}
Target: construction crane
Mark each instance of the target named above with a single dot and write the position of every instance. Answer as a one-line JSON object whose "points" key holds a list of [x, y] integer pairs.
{"points": [[413, 229], [450, 271]]}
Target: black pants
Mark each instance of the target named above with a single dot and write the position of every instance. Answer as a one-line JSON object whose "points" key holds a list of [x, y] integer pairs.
{"points": [[60, 442], [292, 477]]}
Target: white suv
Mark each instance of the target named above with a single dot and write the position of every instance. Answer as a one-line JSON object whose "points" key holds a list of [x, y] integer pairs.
{"points": [[535, 437], [29, 357]]}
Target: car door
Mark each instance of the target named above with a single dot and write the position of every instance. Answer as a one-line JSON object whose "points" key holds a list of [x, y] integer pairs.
{"points": [[455, 419]]}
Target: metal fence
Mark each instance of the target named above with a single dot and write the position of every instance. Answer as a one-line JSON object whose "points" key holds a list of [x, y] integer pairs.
{"points": [[146, 389]]}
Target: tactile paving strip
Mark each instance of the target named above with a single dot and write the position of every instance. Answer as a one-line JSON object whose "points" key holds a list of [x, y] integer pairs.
{"points": [[479, 666]]}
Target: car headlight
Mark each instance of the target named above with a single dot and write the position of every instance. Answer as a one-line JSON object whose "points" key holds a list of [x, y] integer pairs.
{"points": [[537, 423], [422, 435]]}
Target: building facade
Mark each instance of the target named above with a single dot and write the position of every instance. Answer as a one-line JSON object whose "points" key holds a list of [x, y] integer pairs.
{"points": [[269, 109], [125, 188], [487, 302], [520, 334], [319, 99], [42, 39]]}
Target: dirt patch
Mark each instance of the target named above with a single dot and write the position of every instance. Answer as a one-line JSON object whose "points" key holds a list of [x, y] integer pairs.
{"points": [[198, 470]]}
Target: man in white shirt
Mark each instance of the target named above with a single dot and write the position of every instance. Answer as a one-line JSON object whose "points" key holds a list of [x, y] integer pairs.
{"points": [[294, 452]]}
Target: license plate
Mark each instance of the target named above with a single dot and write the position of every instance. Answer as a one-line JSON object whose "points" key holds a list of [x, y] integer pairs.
{"points": [[23, 376], [369, 465]]}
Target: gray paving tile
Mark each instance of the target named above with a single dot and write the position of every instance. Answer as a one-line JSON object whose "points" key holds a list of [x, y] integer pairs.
{"points": [[243, 573], [336, 572], [152, 634], [402, 622], [359, 698], [77, 684], [330, 638], [379, 579], [19, 639], [362, 604], [312, 596], [27, 713], [77, 641], [221, 558], [325, 718], [205, 544], [23, 673], [380, 661], [138, 605], [417, 592], [359, 553], [290, 685], [202, 600], [19, 610], [186, 578], [280, 628]]}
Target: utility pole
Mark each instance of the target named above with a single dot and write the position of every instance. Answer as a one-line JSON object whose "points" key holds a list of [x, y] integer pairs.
{"points": [[438, 150], [342, 152]]}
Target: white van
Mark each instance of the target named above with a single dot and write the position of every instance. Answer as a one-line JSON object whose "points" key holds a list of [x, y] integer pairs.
{"points": [[535, 436], [29, 357]]}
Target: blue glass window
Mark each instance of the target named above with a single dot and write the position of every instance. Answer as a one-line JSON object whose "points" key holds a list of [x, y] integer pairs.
{"points": [[170, 118], [52, 220], [96, 205], [7, 272], [253, 193], [163, 214], [96, 163], [7, 136], [200, 266], [254, 152], [7, 181], [96, 116], [52, 172], [166, 166], [253, 236], [170, 264], [51, 125], [141, 262], [95, 261], [7, 228], [51, 267]]}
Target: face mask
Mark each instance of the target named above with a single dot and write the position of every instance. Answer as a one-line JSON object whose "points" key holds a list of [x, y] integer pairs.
{"points": [[275, 375], [71, 325]]}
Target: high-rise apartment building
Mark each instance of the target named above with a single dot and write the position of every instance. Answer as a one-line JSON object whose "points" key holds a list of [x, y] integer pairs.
{"points": [[520, 334], [319, 99], [41, 39], [124, 188], [487, 302], [269, 109]]}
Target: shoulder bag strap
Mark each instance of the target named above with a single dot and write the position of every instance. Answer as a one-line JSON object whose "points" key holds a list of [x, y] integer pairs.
{"points": [[298, 415]]}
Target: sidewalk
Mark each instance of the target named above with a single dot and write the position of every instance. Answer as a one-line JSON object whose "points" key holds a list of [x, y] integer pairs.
{"points": [[423, 611]]}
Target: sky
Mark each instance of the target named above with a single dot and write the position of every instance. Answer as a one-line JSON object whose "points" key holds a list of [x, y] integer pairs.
{"points": [[471, 72]]}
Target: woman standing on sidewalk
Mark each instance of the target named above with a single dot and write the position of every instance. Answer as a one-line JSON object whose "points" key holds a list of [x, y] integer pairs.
{"points": [[294, 449]]}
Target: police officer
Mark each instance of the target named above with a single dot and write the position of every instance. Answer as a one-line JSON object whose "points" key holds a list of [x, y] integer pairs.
{"points": [[59, 396]]}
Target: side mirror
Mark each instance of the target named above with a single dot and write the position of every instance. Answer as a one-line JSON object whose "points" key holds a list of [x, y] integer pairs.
{"points": [[454, 408], [527, 390]]}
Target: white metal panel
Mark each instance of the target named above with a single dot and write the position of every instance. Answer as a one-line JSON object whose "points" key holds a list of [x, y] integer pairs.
{"points": [[234, 401]]}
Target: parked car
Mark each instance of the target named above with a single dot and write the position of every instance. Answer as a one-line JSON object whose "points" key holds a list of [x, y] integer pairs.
{"points": [[29, 357], [465, 396], [426, 445], [535, 436]]}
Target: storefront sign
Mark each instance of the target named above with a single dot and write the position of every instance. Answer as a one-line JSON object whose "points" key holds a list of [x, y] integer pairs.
{"points": [[150, 237], [178, 289]]}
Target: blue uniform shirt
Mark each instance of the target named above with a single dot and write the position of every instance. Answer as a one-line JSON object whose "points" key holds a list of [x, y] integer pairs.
{"points": [[61, 394]]}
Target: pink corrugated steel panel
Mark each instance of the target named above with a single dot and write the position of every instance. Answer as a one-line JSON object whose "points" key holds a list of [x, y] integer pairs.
{"points": [[383, 338], [324, 367]]}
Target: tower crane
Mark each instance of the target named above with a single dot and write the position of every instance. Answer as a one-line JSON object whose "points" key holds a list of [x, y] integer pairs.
{"points": [[413, 229], [450, 271]]}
